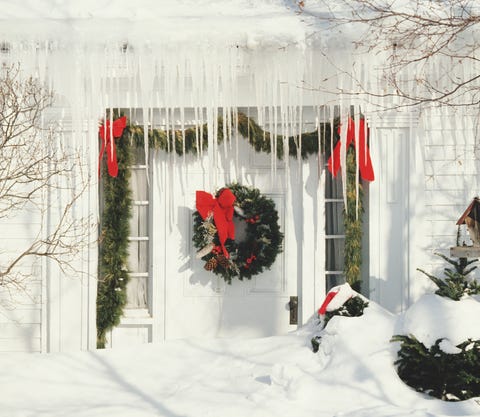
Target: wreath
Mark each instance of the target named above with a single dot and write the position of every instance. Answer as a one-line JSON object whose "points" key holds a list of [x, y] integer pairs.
{"points": [[214, 233]]}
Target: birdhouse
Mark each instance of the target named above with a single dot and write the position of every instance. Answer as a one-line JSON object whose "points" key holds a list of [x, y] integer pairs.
{"points": [[471, 218]]}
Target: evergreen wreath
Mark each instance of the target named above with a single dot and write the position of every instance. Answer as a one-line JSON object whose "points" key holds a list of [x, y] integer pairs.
{"points": [[254, 254]]}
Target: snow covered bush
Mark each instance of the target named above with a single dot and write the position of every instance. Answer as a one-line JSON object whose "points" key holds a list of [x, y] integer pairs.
{"points": [[439, 338], [353, 307], [450, 376], [340, 301]]}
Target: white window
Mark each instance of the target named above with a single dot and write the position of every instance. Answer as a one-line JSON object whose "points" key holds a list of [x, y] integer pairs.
{"points": [[139, 239], [334, 232]]}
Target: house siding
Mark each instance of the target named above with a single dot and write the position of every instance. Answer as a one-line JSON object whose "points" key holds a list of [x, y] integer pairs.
{"points": [[450, 181]]}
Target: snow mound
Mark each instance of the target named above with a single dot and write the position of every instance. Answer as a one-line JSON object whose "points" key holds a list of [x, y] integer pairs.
{"points": [[433, 317], [352, 375]]}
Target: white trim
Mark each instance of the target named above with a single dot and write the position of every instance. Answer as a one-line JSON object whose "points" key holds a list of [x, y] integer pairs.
{"points": [[138, 238]]}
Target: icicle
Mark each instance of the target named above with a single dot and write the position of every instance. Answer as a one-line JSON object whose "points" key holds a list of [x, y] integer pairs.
{"points": [[215, 142], [320, 139], [197, 143], [146, 128], [201, 131], [212, 167], [167, 129], [356, 116], [286, 146], [229, 127], [112, 142], [300, 125], [173, 152], [344, 122], [225, 133], [269, 126], [275, 135], [182, 127], [237, 172]]}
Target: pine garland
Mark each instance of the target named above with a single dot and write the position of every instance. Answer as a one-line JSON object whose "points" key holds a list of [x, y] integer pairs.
{"points": [[261, 140], [113, 273], [353, 225]]}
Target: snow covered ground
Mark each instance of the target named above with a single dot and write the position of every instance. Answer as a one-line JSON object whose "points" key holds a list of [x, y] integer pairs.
{"points": [[351, 375]]}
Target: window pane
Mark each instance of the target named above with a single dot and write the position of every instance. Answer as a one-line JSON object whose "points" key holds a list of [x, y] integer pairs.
{"points": [[137, 292], [334, 218], [335, 254], [138, 156], [139, 221], [334, 280], [138, 184], [333, 186], [138, 256]]}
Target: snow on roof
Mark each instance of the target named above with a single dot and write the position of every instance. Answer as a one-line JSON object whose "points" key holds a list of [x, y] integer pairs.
{"points": [[208, 53], [212, 40], [244, 22]]}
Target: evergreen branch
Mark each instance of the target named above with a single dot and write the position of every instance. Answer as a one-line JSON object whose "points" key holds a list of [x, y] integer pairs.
{"points": [[440, 284], [261, 140], [468, 271]]}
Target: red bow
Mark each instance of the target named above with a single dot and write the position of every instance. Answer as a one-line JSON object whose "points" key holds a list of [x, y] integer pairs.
{"points": [[222, 209], [105, 132], [323, 308], [365, 163]]}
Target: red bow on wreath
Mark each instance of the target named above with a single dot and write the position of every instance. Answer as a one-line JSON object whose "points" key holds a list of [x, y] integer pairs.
{"points": [[222, 209], [365, 163], [106, 132]]}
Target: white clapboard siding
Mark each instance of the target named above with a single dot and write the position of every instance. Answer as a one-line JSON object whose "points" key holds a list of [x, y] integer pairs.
{"points": [[451, 170]]}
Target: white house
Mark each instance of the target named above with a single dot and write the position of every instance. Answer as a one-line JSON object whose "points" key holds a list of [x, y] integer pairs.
{"points": [[181, 64]]}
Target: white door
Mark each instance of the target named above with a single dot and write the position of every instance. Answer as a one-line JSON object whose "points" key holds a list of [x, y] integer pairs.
{"points": [[171, 295], [199, 303], [389, 219]]}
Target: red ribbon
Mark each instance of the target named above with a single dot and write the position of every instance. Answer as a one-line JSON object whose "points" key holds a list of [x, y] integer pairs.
{"points": [[323, 308], [365, 163], [106, 131], [222, 209]]}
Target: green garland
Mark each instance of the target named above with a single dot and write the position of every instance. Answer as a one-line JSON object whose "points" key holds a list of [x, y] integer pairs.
{"points": [[259, 249], [113, 275], [262, 141], [352, 220], [115, 229]]}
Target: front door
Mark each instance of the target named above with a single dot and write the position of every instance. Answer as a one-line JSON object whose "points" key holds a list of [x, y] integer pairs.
{"points": [[199, 303], [171, 295]]}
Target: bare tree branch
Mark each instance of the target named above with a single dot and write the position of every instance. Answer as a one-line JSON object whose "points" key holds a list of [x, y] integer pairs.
{"points": [[430, 48], [34, 164]]}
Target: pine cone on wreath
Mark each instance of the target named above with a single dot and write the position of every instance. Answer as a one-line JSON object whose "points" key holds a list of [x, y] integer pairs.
{"points": [[211, 264], [223, 261]]}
